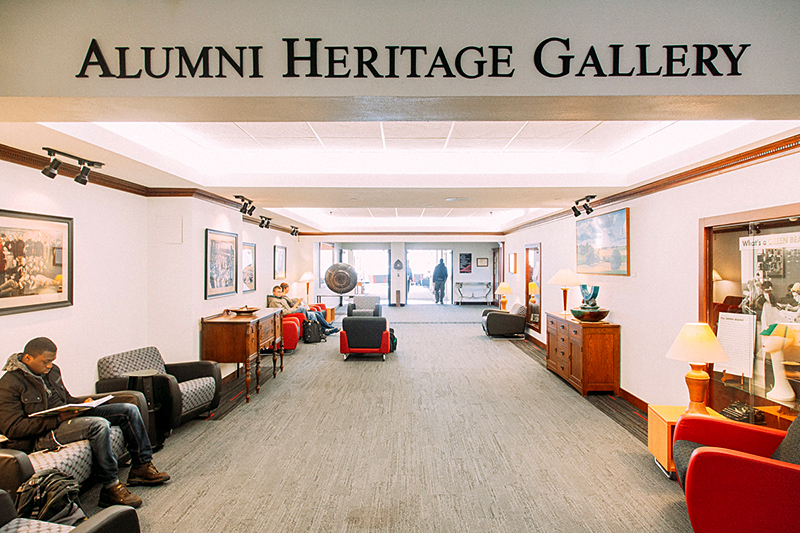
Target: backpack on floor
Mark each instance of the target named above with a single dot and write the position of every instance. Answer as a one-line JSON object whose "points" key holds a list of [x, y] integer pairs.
{"points": [[50, 496], [392, 340], [312, 331]]}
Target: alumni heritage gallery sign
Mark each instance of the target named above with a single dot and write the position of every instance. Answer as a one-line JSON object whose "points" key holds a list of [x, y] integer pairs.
{"points": [[311, 57]]}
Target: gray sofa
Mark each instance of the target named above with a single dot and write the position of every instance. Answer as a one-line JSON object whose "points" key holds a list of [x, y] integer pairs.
{"points": [[498, 323]]}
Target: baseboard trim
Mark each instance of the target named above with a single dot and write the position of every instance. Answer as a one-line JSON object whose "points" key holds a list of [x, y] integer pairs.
{"points": [[536, 341], [633, 400]]}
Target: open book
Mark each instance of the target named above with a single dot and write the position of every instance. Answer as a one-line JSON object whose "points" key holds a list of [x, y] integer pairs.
{"points": [[73, 406]]}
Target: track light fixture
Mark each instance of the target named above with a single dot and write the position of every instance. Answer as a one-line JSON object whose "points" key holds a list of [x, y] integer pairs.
{"points": [[576, 209], [295, 231], [264, 222], [247, 205], [82, 177], [51, 170]]}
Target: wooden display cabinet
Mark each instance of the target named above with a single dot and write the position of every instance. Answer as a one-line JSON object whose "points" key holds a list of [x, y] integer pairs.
{"points": [[586, 354]]}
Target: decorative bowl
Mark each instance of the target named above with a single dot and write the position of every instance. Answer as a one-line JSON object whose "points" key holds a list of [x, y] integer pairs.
{"points": [[244, 310], [589, 315]]}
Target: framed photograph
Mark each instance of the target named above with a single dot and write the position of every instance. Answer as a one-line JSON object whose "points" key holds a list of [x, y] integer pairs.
{"points": [[221, 269], [35, 262], [482, 262], [279, 263], [249, 266], [603, 244], [512, 263], [465, 263]]}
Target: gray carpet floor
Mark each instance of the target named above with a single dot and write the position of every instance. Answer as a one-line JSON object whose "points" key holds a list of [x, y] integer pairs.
{"points": [[454, 432]]}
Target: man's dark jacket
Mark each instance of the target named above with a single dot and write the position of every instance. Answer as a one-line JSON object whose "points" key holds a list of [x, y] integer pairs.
{"points": [[440, 273], [23, 393]]}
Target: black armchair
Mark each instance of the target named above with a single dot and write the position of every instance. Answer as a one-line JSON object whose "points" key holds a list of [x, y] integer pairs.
{"points": [[504, 324], [181, 390], [115, 519]]}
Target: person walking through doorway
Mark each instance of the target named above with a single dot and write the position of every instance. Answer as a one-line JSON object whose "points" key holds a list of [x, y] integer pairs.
{"points": [[439, 277]]}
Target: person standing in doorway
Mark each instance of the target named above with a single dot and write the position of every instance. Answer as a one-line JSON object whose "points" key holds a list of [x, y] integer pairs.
{"points": [[439, 277]]}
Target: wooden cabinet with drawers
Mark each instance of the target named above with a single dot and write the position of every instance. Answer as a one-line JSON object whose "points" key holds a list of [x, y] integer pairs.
{"points": [[586, 354]]}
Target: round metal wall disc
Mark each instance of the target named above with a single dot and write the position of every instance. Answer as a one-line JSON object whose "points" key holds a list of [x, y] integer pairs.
{"points": [[341, 278]]}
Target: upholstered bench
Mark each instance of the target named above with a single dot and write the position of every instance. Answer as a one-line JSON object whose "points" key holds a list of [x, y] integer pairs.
{"points": [[74, 459]]}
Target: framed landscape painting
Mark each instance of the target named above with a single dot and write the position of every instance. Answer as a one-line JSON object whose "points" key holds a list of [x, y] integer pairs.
{"points": [[603, 244], [279, 264], [35, 262], [221, 268], [249, 266]]}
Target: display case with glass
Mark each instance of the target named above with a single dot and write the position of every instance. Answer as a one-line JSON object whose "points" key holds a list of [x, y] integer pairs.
{"points": [[750, 294]]}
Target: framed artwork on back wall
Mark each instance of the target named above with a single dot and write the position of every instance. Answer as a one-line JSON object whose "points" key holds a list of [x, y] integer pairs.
{"points": [[249, 266], [279, 264], [35, 262], [603, 244]]}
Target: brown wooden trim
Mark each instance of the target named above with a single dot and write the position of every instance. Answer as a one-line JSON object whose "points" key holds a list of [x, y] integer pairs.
{"points": [[756, 155], [535, 341], [743, 217], [401, 233], [633, 400]]}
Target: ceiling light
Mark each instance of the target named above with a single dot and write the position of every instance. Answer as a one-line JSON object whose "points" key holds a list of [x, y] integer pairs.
{"points": [[587, 209], [295, 231], [247, 205], [251, 210], [82, 177], [576, 211], [264, 222], [51, 170]]}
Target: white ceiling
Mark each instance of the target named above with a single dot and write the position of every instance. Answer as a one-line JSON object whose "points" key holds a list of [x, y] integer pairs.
{"points": [[399, 176]]}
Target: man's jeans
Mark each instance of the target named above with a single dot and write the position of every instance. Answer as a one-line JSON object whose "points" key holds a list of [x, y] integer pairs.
{"points": [[438, 290], [315, 316], [95, 425]]}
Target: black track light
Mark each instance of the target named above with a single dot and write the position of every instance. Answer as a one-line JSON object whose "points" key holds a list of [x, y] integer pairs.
{"points": [[247, 205], [251, 210], [576, 211], [587, 209], [82, 177], [51, 170], [295, 231], [264, 222]]}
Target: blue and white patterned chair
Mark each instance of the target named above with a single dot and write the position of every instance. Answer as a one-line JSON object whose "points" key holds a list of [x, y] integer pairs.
{"points": [[74, 459], [183, 390], [115, 519]]}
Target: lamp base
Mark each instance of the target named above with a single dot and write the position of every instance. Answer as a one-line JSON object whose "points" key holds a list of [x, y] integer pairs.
{"points": [[503, 302], [565, 291], [697, 382]]}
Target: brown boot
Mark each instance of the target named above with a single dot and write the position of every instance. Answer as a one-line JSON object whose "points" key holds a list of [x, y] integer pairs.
{"points": [[147, 474], [118, 495]]}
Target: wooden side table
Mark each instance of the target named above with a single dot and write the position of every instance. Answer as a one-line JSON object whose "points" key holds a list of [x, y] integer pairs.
{"points": [[330, 315], [661, 420]]}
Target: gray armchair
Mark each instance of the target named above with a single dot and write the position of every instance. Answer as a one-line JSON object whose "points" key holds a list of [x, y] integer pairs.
{"points": [[115, 519], [504, 324], [364, 306], [74, 459], [181, 390]]}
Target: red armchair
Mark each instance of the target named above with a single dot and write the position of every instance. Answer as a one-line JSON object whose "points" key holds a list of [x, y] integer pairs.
{"points": [[732, 484], [292, 331], [364, 335]]}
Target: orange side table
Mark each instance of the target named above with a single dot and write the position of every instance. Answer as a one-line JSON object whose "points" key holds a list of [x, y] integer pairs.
{"points": [[661, 420]]}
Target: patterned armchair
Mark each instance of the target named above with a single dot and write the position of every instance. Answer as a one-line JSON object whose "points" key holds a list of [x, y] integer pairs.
{"points": [[115, 519], [74, 459], [364, 306], [183, 390], [504, 324]]}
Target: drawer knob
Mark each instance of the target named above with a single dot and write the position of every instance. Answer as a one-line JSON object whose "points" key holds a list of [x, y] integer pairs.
{"points": [[562, 352], [562, 367], [574, 331]]}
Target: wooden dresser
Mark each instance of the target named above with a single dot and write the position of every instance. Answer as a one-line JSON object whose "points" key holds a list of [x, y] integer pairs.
{"points": [[231, 338], [586, 354]]}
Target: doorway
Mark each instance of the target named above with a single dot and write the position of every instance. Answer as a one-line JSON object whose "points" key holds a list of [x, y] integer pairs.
{"points": [[373, 269], [419, 273]]}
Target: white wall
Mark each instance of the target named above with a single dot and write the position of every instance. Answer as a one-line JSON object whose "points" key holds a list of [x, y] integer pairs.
{"points": [[110, 273], [661, 294], [139, 272]]}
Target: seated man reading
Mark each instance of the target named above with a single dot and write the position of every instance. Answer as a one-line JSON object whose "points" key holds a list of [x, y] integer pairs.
{"points": [[32, 383], [278, 299]]}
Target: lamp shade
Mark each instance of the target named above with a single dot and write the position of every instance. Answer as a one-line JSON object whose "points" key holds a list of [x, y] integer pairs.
{"points": [[504, 288], [533, 288], [565, 278], [696, 343], [715, 276], [308, 276]]}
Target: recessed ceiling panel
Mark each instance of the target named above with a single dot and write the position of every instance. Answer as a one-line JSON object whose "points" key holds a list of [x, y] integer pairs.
{"points": [[356, 212], [538, 145], [478, 145], [383, 212], [416, 130], [556, 129], [409, 213], [198, 130], [290, 143], [347, 129], [277, 129], [423, 145], [436, 212], [486, 130], [352, 144]]}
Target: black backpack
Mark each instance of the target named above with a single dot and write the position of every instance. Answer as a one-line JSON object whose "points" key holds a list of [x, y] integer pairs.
{"points": [[392, 340], [312, 332], [50, 496]]}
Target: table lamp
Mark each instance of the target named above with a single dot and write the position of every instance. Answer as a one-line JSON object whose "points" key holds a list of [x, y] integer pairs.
{"points": [[565, 278], [308, 277], [533, 290], [697, 345], [503, 289]]}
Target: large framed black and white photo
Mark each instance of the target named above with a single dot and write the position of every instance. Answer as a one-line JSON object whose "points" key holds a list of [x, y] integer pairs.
{"points": [[221, 265], [35, 262]]}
